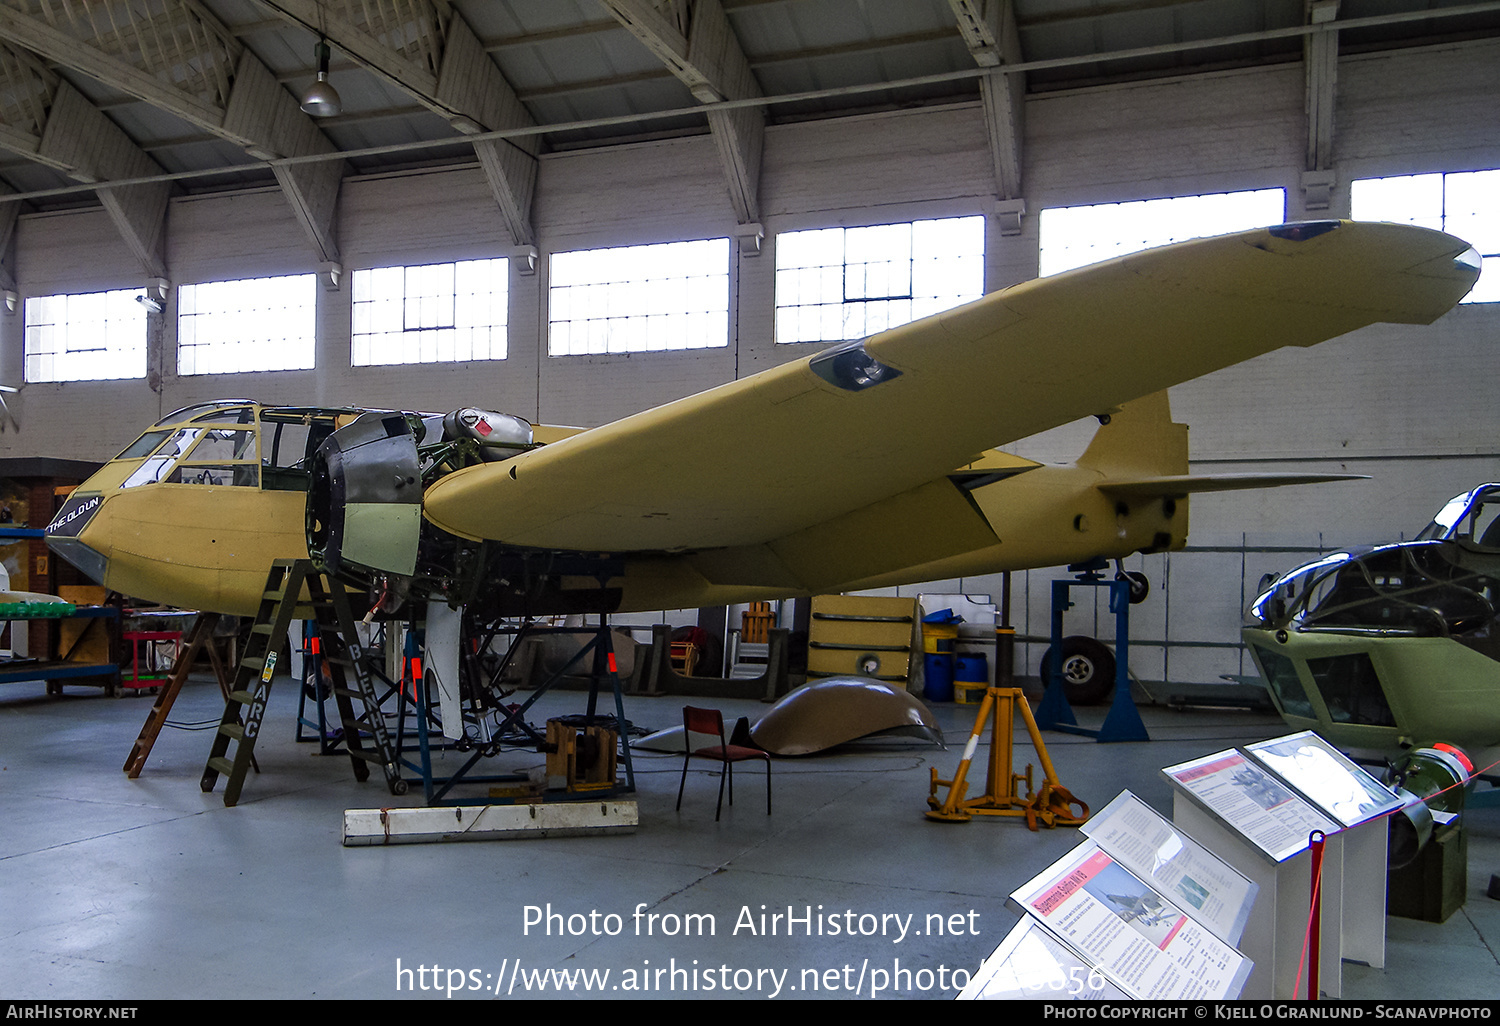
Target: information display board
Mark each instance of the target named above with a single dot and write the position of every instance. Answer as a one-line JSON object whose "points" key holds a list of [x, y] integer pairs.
{"points": [[1147, 843], [1030, 964], [1251, 802], [1137, 939], [1326, 777]]}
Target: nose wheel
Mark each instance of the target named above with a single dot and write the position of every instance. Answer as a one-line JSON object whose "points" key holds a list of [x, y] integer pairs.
{"points": [[1140, 584]]}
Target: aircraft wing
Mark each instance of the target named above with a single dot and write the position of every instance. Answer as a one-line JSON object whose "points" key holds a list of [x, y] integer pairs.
{"points": [[820, 436]]}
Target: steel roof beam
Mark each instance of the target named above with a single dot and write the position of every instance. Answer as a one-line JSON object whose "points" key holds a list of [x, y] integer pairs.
{"points": [[53, 124], [698, 45], [185, 62], [989, 31], [87, 146], [427, 50]]}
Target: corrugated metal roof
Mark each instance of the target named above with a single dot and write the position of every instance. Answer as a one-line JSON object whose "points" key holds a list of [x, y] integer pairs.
{"points": [[574, 65]]}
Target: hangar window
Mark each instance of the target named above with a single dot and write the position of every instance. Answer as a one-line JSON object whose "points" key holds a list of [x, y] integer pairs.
{"points": [[836, 284], [255, 324], [431, 313], [1462, 203], [637, 299], [88, 337], [1076, 236]]}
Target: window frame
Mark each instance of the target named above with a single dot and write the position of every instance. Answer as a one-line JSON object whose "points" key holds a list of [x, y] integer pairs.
{"points": [[205, 358], [861, 314], [1487, 290], [1154, 219], [117, 302], [433, 341], [640, 310]]}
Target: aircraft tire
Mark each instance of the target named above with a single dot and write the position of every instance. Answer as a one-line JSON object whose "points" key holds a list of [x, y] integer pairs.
{"points": [[1088, 669]]}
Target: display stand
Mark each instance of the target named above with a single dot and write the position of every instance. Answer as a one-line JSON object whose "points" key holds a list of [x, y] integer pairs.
{"points": [[1331, 782], [1030, 964], [1262, 830], [1128, 933], [1167, 857], [603, 678]]}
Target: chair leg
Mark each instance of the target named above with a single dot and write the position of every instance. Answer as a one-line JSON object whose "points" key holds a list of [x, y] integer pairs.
{"points": [[768, 787], [685, 760], [720, 807]]}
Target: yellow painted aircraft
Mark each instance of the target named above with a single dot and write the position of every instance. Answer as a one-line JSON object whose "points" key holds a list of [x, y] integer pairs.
{"points": [[866, 465]]}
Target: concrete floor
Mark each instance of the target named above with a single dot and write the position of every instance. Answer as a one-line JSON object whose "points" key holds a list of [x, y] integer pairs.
{"points": [[138, 889]]}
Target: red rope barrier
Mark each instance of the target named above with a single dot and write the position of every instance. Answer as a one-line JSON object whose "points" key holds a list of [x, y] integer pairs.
{"points": [[1310, 937]]}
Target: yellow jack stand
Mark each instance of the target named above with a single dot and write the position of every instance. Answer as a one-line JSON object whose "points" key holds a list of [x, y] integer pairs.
{"points": [[1052, 805]]}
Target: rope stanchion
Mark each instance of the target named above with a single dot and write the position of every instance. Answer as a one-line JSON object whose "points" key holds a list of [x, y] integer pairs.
{"points": [[1310, 939]]}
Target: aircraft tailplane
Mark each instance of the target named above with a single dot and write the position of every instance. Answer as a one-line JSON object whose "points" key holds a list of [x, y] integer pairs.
{"points": [[1143, 455]]}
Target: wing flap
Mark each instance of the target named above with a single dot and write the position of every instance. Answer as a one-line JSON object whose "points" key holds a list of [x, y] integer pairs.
{"points": [[766, 456]]}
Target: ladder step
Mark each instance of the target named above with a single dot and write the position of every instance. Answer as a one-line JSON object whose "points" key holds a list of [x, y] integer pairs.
{"points": [[242, 697], [233, 730], [261, 628], [221, 765]]}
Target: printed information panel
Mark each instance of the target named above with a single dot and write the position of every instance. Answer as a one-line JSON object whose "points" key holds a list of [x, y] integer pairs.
{"points": [[1031, 964], [1326, 777], [1195, 878], [1136, 938], [1251, 802]]}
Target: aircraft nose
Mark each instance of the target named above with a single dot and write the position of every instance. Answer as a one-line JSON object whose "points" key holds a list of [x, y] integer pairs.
{"points": [[65, 534]]}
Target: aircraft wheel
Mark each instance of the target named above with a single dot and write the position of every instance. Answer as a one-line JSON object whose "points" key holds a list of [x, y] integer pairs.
{"points": [[1088, 670], [1140, 585]]}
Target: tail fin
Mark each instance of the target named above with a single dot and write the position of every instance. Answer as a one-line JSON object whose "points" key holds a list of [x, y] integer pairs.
{"points": [[1139, 441]]}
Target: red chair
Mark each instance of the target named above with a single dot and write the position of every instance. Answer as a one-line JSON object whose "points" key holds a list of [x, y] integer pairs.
{"points": [[711, 721]]}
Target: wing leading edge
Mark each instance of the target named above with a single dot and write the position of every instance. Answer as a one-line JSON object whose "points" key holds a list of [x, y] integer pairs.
{"points": [[871, 421]]}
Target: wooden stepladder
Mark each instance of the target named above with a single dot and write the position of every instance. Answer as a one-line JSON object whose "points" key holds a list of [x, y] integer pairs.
{"points": [[200, 637], [343, 657]]}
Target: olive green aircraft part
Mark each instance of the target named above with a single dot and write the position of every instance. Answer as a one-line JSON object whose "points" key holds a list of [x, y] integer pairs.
{"points": [[1432, 689]]}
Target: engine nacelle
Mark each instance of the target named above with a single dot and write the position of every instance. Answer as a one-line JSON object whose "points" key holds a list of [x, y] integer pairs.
{"points": [[364, 504], [499, 436]]}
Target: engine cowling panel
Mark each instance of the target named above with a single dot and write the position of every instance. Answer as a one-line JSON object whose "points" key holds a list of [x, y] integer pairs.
{"points": [[364, 503]]}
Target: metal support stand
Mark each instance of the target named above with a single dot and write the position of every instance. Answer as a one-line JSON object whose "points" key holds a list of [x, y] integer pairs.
{"points": [[1123, 723], [436, 789], [1052, 805], [661, 678]]}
